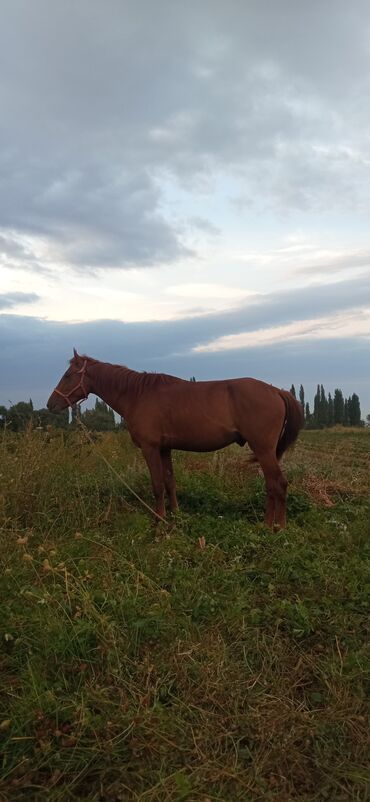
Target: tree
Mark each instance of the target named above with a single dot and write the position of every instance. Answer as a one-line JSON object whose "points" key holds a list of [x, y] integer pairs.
{"points": [[75, 414], [192, 378], [338, 404], [330, 410], [19, 415], [345, 413], [292, 390], [301, 395], [354, 410], [99, 419], [3, 416], [316, 407], [43, 418], [307, 413], [323, 408]]}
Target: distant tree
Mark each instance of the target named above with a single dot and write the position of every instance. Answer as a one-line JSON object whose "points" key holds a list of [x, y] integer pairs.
{"points": [[345, 413], [354, 410], [367, 423], [75, 414], [301, 395], [43, 418], [192, 378], [323, 408], [99, 419], [330, 410], [3, 416], [20, 415], [307, 414], [316, 407], [292, 390], [338, 404]]}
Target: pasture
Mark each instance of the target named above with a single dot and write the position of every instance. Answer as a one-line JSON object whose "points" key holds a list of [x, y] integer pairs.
{"points": [[208, 660]]}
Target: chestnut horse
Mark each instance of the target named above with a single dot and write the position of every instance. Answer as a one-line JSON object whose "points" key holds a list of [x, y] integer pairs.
{"points": [[164, 412]]}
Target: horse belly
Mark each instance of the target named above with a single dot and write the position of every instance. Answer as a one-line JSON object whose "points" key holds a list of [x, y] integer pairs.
{"points": [[202, 442], [200, 426]]}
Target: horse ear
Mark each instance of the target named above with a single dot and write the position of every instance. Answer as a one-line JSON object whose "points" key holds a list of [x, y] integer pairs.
{"points": [[75, 354]]}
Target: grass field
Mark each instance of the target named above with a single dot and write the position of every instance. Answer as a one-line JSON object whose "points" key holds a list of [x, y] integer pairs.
{"points": [[209, 660]]}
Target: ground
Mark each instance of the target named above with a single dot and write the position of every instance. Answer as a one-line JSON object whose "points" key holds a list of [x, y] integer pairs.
{"points": [[209, 660]]}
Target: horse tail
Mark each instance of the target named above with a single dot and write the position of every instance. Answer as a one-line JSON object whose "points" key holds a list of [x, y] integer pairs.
{"points": [[294, 422]]}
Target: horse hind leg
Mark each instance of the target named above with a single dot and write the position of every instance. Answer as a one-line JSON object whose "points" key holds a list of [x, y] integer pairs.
{"points": [[169, 479], [276, 488], [153, 460]]}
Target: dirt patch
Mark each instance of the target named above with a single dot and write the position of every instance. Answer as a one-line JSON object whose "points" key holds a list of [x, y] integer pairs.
{"points": [[325, 491]]}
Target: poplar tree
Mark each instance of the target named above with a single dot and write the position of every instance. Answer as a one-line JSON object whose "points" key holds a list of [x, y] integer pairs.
{"points": [[354, 410], [345, 413], [316, 406], [338, 406], [330, 410], [323, 407]]}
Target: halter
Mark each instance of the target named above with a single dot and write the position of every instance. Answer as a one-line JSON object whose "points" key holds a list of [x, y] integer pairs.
{"points": [[80, 384]]}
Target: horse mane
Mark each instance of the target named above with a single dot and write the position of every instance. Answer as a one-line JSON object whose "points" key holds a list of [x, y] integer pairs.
{"points": [[123, 378]]}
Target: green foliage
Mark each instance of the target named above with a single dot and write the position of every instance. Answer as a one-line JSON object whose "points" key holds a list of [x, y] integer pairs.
{"points": [[22, 415], [354, 410], [99, 419], [329, 411], [19, 415], [338, 406], [44, 419]]}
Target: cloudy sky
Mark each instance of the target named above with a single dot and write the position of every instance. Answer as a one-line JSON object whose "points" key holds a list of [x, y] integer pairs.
{"points": [[185, 187]]}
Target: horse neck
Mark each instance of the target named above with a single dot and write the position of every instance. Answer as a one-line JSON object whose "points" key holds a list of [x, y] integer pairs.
{"points": [[115, 385]]}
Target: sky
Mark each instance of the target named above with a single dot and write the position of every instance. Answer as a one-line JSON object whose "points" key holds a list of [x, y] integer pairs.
{"points": [[185, 187]]}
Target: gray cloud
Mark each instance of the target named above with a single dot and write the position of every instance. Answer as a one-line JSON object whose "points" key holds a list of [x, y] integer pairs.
{"points": [[340, 262], [10, 299], [15, 253], [100, 102]]}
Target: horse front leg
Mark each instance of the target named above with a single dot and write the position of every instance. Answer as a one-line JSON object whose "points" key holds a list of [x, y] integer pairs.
{"points": [[169, 479], [152, 456]]}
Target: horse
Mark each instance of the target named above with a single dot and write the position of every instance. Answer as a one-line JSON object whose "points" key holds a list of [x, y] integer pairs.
{"points": [[165, 412]]}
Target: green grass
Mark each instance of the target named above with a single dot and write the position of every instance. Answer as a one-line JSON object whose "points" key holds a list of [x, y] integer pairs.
{"points": [[207, 660]]}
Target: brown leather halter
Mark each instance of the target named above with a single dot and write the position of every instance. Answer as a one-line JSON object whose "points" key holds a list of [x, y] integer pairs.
{"points": [[77, 387]]}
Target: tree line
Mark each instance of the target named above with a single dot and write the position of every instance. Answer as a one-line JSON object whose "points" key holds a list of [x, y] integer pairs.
{"points": [[19, 416], [330, 410]]}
